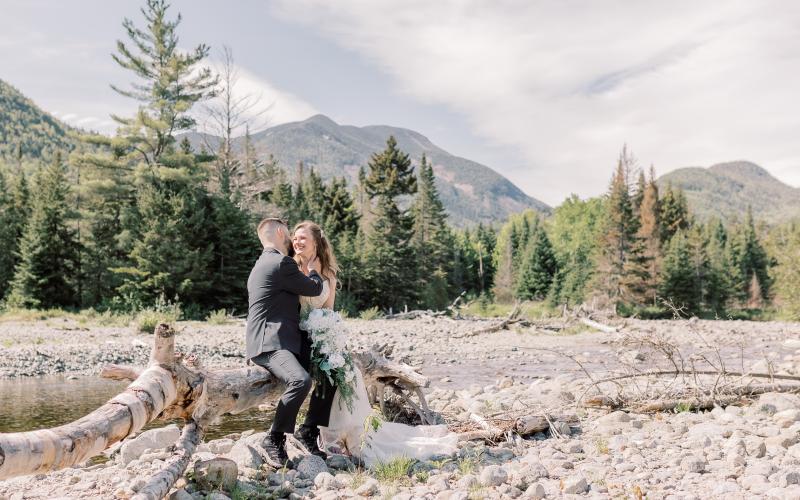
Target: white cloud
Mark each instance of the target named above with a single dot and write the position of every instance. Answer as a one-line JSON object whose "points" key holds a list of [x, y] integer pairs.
{"points": [[567, 83]]}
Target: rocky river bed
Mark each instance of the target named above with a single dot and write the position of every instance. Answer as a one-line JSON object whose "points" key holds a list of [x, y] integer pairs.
{"points": [[749, 448]]}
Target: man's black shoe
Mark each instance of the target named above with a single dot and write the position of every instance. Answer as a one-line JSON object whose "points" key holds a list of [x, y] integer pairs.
{"points": [[275, 446], [309, 437]]}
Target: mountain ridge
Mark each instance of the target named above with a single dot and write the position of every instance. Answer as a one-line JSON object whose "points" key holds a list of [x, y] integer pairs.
{"points": [[470, 191], [725, 190]]}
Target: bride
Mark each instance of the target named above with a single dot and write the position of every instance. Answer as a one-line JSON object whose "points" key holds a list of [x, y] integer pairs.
{"points": [[352, 426]]}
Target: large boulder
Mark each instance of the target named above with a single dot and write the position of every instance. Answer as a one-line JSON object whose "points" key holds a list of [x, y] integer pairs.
{"points": [[154, 439], [245, 456], [311, 466]]}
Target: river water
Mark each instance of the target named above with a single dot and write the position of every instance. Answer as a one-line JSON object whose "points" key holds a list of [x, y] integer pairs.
{"points": [[38, 403]]}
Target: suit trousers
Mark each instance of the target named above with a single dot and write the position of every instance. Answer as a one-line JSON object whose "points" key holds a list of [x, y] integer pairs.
{"points": [[293, 370]]}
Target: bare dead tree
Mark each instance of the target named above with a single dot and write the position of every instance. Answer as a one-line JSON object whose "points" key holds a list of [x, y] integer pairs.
{"points": [[232, 114]]}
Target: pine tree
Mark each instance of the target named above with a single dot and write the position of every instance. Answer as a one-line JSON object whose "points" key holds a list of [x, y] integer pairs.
{"points": [[235, 248], [717, 285], [168, 242], [574, 231], [340, 214], [748, 258], [787, 270], [432, 240], [639, 193], [46, 275], [485, 241], [649, 233], [674, 214], [8, 236], [678, 280], [538, 268], [620, 249], [388, 250], [172, 82]]}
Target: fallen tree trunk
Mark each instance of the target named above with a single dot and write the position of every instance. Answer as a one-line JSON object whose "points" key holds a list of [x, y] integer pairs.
{"points": [[599, 326], [51, 449], [168, 388]]}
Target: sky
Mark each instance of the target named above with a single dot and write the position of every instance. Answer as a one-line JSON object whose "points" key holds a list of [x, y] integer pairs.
{"points": [[544, 92]]}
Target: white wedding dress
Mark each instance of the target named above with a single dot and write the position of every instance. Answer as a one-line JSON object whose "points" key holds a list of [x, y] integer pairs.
{"points": [[348, 430]]}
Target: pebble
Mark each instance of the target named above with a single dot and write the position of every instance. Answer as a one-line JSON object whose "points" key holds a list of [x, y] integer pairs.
{"points": [[494, 475], [575, 484]]}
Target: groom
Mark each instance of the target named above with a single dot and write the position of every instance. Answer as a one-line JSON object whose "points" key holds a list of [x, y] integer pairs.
{"points": [[276, 343]]}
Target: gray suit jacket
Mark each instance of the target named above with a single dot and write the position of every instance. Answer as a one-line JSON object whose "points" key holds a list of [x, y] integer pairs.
{"points": [[273, 315]]}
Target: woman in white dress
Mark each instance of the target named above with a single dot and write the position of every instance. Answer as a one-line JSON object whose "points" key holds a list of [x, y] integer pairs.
{"points": [[350, 426]]}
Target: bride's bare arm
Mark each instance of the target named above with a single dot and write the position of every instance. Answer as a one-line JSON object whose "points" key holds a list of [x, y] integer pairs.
{"points": [[331, 295]]}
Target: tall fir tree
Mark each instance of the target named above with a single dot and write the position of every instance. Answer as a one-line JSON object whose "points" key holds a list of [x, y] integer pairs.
{"points": [[538, 267], [47, 275], [678, 279], [8, 236], [639, 192], [388, 247], [674, 213], [620, 249], [749, 263], [172, 81], [574, 230], [340, 215], [169, 250], [649, 233], [718, 284], [432, 241]]}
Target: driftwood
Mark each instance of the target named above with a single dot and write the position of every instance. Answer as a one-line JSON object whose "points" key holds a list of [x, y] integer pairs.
{"points": [[451, 310], [512, 318], [599, 326], [168, 388], [693, 401]]}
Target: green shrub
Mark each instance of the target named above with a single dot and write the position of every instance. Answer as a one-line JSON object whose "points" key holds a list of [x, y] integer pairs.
{"points": [[371, 313], [219, 317]]}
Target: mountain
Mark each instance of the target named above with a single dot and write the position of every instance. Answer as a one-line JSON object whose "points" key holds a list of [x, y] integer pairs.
{"points": [[726, 190], [471, 192], [26, 129]]}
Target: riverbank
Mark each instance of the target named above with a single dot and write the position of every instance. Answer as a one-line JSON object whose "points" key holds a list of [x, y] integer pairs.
{"points": [[747, 449]]}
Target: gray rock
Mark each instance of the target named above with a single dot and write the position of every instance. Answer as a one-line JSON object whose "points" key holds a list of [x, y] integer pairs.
{"points": [[217, 496], [467, 481], [775, 401], [438, 483], [561, 428], [574, 485], [535, 491], [693, 464], [493, 475], [216, 473], [154, 439], [245, 456], [181, 494], [615, 417], [369, 488], [339, 462], [310, 466], [325, 481], [788, 478], [218, 446]]}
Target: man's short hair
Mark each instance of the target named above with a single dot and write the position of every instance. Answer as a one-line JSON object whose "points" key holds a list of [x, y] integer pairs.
{"points": [[269, 225]]}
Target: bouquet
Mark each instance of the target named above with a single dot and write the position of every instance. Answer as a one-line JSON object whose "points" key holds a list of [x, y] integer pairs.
{"points": [[330, 354]]}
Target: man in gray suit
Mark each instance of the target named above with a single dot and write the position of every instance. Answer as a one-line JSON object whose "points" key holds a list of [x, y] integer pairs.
{"points": [[275, 341]]}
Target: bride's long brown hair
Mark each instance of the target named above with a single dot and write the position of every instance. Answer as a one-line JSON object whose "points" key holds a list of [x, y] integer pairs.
{"points": [[327, 260]]}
